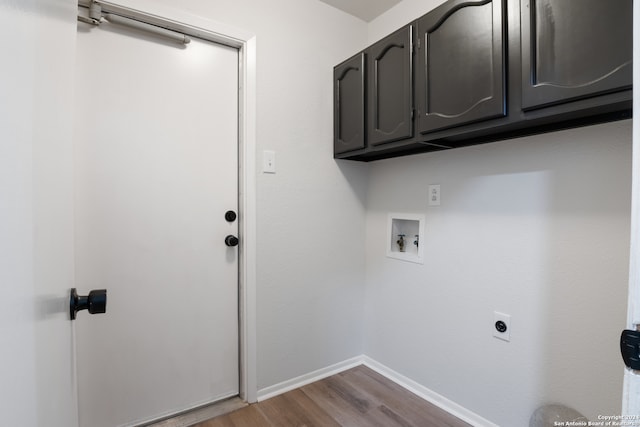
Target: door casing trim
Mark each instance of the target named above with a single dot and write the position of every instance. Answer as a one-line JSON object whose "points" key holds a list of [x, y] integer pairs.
{"points": [[196, 26]]}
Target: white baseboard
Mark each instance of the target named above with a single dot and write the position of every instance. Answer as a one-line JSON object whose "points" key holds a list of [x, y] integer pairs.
{"points": [[428, 395], [305, 379], [417, 389]]}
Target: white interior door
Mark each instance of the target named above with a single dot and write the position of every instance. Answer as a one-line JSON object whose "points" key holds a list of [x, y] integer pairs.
{"points": [[156, 170], [37, 382]]}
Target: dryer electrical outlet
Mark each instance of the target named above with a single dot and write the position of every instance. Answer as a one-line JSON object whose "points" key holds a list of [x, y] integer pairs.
{"points": [[502, 326]]}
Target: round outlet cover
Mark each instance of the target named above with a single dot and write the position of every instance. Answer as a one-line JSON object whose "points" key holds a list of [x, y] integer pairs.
{"points": [[501, 326]]}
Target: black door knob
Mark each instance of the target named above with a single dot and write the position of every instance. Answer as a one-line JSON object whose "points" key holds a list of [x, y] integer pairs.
{"points": [[95, 302], [231, 240]]}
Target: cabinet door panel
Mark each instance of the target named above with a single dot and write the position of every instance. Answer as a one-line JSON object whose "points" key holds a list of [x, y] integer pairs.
{"points": [[574, 49], [461, 64], [349, 104], [390, 88]]}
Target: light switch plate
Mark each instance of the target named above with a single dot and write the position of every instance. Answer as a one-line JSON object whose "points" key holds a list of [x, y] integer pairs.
{"points": [[268, 161]]}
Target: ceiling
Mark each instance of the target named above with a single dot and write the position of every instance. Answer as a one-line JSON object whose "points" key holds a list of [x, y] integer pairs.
{"points": [[367, 10]]}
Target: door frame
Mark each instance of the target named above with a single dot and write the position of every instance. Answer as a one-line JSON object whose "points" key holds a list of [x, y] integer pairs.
{"points": [[245, 42], [631, 388]]}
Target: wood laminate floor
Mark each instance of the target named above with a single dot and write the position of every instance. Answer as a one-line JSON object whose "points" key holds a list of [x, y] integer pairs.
{"points": [[354, 398]]}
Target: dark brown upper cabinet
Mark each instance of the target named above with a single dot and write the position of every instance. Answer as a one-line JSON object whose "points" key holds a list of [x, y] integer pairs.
{"points": [[461, 74], [349, 105], [574, 49], [476, 71], [390, 88]]}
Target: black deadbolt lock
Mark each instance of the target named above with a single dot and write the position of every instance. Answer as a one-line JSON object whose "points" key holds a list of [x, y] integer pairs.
{"points": [[501, 326], [230, 216]]}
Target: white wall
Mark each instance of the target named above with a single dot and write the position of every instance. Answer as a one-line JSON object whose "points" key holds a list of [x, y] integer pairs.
{"points": [[36, 218], [401, 14], [537, 228], [310, 254]]}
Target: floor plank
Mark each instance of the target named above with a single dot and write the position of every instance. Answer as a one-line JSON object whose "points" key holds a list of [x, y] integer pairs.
{"points": [[412, 407], [295, 409], [358, 397]]}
